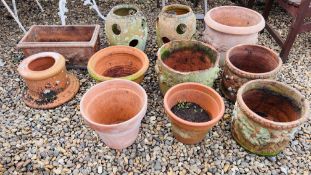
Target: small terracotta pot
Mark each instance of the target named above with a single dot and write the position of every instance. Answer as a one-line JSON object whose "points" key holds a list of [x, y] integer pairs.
{"points": [[126, 25], [182, 24], [190, 132], [171, 70], [118, 62], [247, 62], [48, 83], [266, 115], [227, 26], [114, 109]]}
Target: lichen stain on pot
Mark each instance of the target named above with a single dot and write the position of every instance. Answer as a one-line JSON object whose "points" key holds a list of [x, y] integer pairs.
{"points": [[186, 61], [126, 25], [266, 117], [247, 62], [182, 24], [48, 83]]}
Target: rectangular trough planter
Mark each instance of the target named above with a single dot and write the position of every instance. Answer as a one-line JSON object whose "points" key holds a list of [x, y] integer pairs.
{"points": [[77, 43]]}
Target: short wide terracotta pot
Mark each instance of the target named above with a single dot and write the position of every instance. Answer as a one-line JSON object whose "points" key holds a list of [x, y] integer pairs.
{"points": [[48, 83], [114, 109], [207, 98], [266, 116], [228, 26], [247, 62], [186, 61], [118, 62]]}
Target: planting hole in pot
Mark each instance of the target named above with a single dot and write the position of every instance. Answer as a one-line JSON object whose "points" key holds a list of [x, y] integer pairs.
{"points": [[188, 60], [235, 17], [165, 40], [191, 112], [118, 65], [271, 105], [173, 10], [125, 11], [253, 59], [143, 23], [116, 29], [133, 43], [114, 106], [41, 64], [181, 29]]}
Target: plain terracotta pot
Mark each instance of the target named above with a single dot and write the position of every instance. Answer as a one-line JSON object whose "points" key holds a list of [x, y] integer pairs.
{"points": [[126, 25], [266, 116], [175, 22], [247, 62], [114, 109], [207, 98], [169, 66], [48, 83], [228, 26], [118, 62]]}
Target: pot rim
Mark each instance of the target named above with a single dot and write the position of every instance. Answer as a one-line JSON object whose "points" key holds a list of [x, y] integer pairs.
{"points": [[232, 29], [194, 124], [251, 75], [27, 73], [269, 123], [124, 6], [167, 7], [102, 85], [116, 50], [216, 64]]}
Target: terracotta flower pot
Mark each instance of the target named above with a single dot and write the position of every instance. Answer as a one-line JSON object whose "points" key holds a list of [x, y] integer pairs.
{"points": [[48, 83], [247, 62], [186, 61], [77, 43], [118, 62], [266, 115], [114, 109], [126, 25], [227, 26], [190, 132], [175, 22]]}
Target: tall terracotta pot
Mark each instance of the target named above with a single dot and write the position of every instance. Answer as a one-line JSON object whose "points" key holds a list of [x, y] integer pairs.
{"points": [[114, 109], [186, 61], [48, 83], [266, 116], [126, 25], [227, 26], [247, 62], [190, 132], [118, 62], [175, 22]]}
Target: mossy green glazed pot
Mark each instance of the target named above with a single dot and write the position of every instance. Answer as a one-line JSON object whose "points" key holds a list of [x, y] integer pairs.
{"points": [[186, 61], [266, 116]]}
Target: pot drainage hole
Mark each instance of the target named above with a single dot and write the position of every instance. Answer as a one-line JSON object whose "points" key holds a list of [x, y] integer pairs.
{"points": [[191, 112]]}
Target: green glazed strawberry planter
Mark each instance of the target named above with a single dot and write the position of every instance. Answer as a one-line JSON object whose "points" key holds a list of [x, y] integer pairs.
{"points": [[186, 61]]}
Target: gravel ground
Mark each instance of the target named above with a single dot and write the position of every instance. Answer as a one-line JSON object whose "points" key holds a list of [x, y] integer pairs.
{"points": [[58, 142]]}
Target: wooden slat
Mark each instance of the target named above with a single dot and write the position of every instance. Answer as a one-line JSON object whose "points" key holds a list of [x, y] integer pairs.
{"points": [[275, 35], [305, 27]]}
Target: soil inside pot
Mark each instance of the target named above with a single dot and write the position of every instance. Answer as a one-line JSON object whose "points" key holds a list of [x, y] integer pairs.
{"points": [[252, 62], [120, 71], [191, 112], [272, 106], [187, 60]]}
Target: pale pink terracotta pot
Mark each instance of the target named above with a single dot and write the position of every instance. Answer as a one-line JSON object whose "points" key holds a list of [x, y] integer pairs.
{"points": [[114, 109], [228, 26]]}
